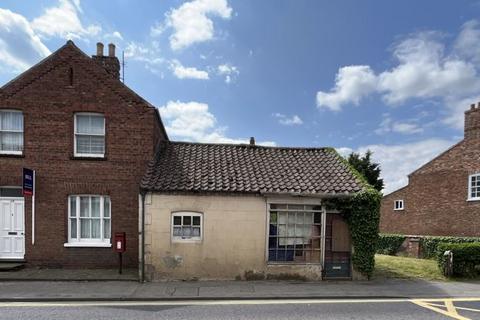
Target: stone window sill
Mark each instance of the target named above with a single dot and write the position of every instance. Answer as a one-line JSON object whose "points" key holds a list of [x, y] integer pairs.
{"points": [[87, 245]]}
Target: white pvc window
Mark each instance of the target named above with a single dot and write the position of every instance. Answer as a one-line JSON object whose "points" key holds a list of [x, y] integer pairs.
{"points": [[398, 205], [474, 187], [11, 132], [187, 226], [89, 220], [89, 135]]}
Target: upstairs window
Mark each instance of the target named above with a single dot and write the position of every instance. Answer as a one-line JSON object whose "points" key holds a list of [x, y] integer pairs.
{"points": [[398, 205], [11, 132], [474, 187], [89, 135]]}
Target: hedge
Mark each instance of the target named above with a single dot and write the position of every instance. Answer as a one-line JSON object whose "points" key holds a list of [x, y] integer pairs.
{"points": [[389, 243], [466, 258], [429, 244]]}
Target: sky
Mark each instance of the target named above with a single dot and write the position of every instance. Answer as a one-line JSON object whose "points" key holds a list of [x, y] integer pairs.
{"points": [[391, 76]]}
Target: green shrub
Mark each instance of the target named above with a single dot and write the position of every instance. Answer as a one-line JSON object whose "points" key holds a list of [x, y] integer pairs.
{"points": [[466, 258], [389, 243], [429, 244]]}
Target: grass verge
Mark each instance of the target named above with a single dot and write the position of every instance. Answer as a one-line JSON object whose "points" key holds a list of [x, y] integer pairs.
{"points": [[406, 268]]}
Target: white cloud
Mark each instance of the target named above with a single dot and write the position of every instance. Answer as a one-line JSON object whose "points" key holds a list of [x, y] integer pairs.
{"points": [[398, 161], [182, 72], [63, 21], [388, 125], [425, 69], [191, 22], [351, 84], [114, 35], [229, 71], [192, 121], [286, 121], [20, 47], [149, 55]]}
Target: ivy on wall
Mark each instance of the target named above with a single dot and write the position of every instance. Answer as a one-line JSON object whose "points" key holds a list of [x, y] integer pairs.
{"points": [[362, 212]]}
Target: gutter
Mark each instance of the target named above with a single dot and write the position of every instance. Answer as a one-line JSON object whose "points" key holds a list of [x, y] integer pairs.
{"points": [[142, 247]]}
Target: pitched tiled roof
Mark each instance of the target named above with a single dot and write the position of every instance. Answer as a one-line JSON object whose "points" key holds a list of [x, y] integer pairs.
{"points": [[197, 167]]}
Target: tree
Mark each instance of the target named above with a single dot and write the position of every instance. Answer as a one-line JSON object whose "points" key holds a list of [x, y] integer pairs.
{"points": [[367, 168]]}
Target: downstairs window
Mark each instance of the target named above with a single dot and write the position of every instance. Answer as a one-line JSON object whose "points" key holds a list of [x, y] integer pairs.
{"points": [[295, 233]]}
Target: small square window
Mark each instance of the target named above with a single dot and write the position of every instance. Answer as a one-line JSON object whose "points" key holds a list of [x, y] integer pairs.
{"points": [[474, 187], [398, 205], [187, 226]]}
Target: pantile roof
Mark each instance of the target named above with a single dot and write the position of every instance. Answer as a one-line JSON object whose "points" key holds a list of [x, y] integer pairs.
{"points": [[199, 167]]}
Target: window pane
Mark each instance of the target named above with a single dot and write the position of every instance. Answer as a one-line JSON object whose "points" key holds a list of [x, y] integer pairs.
{"points": [[317, 218], [96, 228], [85, 225], [187, 221], [83, 123], [177, 231], [273, 217], [97, 124], [95, 207], [73, 206], [73, 228], [11, 192], [186, 231], [11, 121], [106, 228], [177, 221], [11, 141], [84, 206], [196, 220], [196, 232], [90, 144], [106, 207]]}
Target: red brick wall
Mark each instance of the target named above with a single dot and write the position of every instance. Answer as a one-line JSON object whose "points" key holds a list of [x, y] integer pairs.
{"points": [[436, 196], [48, 103]]}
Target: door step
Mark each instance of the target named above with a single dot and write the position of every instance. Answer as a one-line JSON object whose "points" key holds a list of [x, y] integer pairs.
{"points": [[11, 266]]}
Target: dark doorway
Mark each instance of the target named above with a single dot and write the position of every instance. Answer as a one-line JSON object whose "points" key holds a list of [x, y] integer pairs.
{"points": [[337, 248]]}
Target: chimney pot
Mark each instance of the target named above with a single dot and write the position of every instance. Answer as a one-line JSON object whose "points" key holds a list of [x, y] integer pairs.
{"points": [[472, 106], [478, 105], [99, 49], [111, 50], [252, 141]]}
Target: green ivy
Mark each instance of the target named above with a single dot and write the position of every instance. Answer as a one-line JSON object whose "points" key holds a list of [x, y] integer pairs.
{"points": [[362, 212], [390, 243]]}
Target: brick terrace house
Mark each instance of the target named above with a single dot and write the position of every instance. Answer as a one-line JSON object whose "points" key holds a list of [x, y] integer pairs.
{"points": [[89, 138], [443, 196]]}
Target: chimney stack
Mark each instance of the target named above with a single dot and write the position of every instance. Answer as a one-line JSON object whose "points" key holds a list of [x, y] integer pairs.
{"points": [[252, 141], [99, 49], [111, 50], [110, 62], [472, 122]]}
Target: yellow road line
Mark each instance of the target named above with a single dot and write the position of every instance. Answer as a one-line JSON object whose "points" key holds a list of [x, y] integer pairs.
{"points": [[448, 308]]}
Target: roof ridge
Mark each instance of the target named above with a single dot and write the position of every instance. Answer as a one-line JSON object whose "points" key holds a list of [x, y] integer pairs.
{"points": [[248, 145]]}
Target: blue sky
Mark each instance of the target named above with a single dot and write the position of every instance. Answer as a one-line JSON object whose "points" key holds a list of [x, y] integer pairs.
{"points": [[394, 77]]}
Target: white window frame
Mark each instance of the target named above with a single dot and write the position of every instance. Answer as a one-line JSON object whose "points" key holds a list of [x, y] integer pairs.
{"points": [[78, 241], [401, 205], [187, 214], [75, 134], [470, 198], [13, 152]]}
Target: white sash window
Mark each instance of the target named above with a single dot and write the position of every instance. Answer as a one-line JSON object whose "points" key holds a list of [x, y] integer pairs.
{"points": [[89, 135], [11, 132]]}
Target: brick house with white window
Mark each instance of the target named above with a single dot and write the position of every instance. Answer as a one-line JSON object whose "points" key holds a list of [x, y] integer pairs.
{"points": [[442, 197], [89, 139]]}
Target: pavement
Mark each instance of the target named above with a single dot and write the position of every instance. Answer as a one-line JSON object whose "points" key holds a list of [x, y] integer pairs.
{"points": [[58, 274], [227, 290]]}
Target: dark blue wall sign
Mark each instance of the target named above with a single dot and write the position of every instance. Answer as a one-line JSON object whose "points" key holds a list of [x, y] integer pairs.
{"points": [[28, 176]]}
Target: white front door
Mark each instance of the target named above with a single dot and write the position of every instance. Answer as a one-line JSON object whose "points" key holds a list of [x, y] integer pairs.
{"points": [[12, 228]]}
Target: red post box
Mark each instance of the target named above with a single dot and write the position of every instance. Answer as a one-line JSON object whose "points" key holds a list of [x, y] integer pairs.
{"points": [[120, 242]]}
